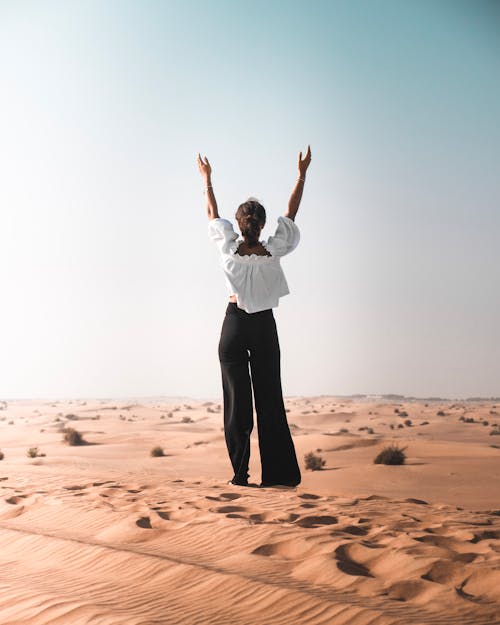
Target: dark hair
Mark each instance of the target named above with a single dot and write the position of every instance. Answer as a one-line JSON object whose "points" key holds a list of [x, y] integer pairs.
{"points": [[251, 217]]}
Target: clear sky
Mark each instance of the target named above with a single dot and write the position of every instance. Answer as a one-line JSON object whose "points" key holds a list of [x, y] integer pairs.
{"points": [[110, 285]]}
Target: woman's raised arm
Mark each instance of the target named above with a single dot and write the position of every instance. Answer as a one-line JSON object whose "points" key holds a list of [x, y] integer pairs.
{"points": [[294, 201], [206, 173]]}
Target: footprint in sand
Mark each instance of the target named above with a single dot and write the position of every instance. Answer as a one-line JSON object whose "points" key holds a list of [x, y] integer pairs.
{"points": [[224, 497], [226, 509], [289, 549], [144, 522], [163, 515], [16, 499], [316, 521], [273, 517], [486, 535], [347, 564], [355, 530]]}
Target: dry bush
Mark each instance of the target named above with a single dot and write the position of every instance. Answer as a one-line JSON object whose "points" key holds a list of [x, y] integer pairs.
{"points": [[391, 455], [157, 451], [34, 452], [314, 462], [73, 437]]}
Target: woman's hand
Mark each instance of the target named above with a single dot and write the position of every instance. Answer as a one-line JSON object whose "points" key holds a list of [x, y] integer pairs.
{"points": [[304, 162], [204, 167]]}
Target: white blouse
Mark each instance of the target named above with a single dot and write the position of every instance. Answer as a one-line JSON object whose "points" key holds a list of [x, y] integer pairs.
{"points": [[257, 281]]}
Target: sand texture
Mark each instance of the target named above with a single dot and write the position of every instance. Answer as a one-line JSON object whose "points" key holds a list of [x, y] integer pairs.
{"points": [[105, 534]]}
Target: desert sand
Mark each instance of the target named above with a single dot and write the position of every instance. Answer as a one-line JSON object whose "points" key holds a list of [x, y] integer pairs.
{"points": [[105, 534]]}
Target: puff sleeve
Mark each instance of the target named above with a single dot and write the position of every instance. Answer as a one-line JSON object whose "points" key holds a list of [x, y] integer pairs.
{"points": [[285, 239], [221, 231]]}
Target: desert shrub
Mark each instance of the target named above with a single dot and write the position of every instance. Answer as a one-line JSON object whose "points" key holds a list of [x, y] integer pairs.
{"points": [[187, 420], [400, 425], [314, 462], [33, 452], [157, 451], [403, 413], [1, 455], [469, 420], [162, 416], [11, 423], [424, 423], [440, 413], [73, 437], [171, 414], [343, 430], [408, 422], [370, 431], [486, 422], [392, 426], [72, 417], [396, 410], [462, 418], [391, 455], [495, 432]]}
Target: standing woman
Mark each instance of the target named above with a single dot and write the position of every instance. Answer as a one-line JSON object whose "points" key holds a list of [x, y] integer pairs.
{"points": [[255, 281]]}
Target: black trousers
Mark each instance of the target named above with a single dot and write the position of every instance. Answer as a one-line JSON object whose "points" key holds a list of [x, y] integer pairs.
{"points": [[250, 341]]}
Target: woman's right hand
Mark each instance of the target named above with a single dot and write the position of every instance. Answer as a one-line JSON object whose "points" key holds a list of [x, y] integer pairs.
{"points": [[304, 162], [204, 167]]}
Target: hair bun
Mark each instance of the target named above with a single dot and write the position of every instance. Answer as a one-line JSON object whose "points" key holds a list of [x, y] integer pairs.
{"points": [[251, 217]]}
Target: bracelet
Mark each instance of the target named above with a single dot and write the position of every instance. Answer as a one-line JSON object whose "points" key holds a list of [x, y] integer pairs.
{"points": [[302, 179], [209, 187]]}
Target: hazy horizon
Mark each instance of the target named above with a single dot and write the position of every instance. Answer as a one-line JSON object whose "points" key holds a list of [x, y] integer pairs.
{"points": [[111, 287]]}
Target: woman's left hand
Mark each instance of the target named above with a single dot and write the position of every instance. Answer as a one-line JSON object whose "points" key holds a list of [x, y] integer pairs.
{"points": [[304, 162], [204, 167]]}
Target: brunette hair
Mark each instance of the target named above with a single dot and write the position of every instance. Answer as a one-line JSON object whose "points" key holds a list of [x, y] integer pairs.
{"points": [[251, 217]]}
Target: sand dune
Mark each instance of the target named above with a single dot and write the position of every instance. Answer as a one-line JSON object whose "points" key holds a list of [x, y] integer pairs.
{"points": [[104, 533]]}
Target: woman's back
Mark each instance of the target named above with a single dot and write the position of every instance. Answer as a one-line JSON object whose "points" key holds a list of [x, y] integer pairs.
{"points": [[254, 275]]}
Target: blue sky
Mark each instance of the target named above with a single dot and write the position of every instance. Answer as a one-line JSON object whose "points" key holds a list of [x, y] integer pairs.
{"points": [[111, 286]]}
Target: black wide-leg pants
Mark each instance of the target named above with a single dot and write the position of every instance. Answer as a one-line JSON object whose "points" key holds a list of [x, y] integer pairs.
{"points": [[250, 341]]}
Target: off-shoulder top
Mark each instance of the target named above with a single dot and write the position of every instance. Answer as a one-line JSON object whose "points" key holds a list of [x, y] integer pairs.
{"points": [[257, 281]]}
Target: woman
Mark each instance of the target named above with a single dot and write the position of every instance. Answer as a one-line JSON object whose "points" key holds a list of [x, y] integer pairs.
{"points": [[255, 281]]}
